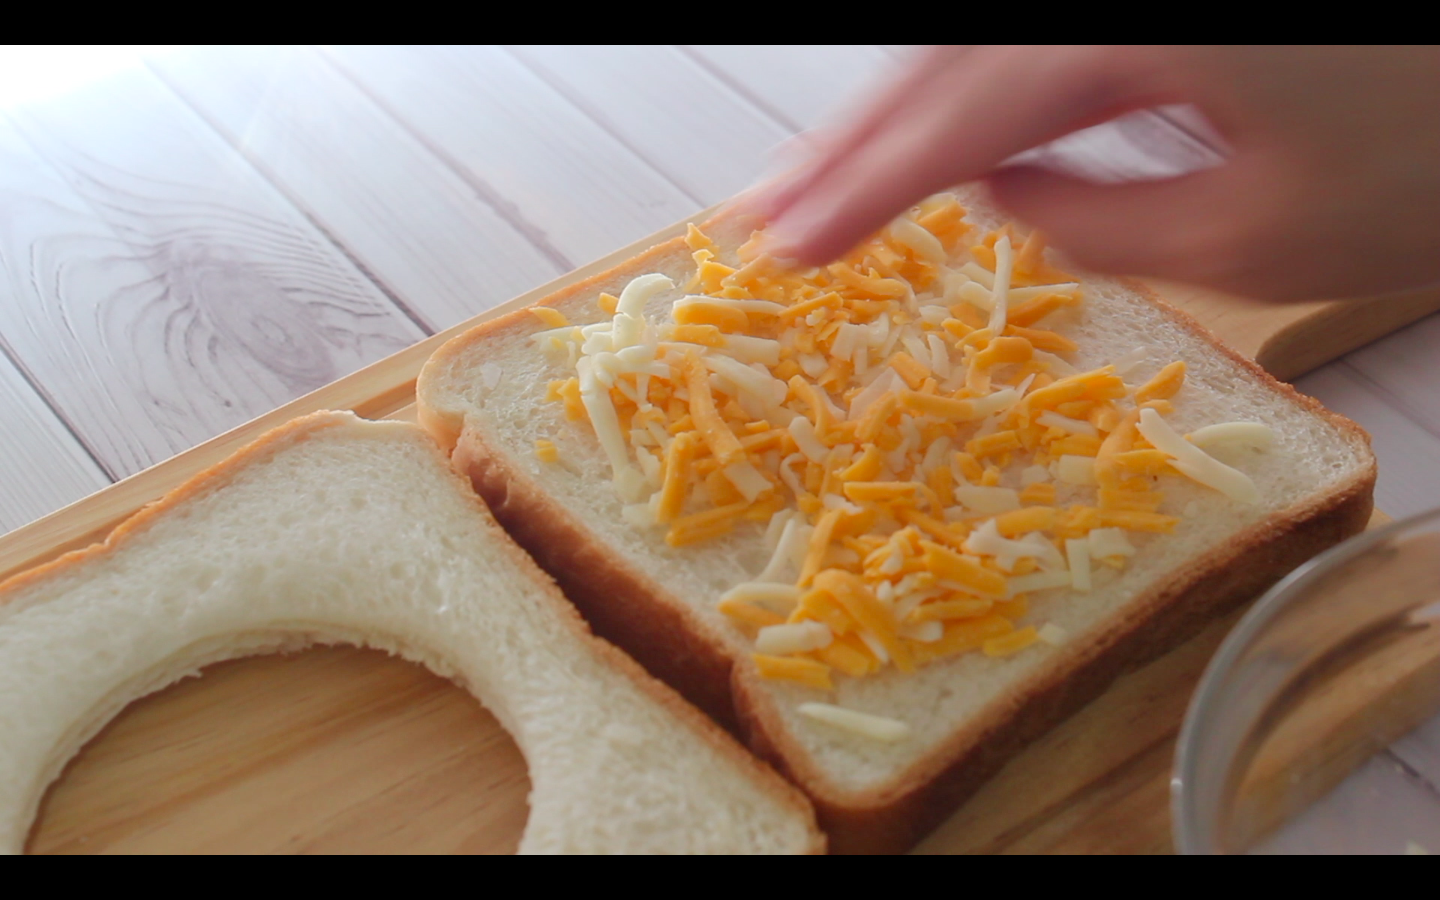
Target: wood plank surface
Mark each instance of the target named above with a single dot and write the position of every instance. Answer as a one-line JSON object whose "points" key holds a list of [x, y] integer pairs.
{"points": [[418, 228], [168, 297], [1114, 755], [189, 247], [45, 466], [521, 145], [675, 114], [799, 87]]}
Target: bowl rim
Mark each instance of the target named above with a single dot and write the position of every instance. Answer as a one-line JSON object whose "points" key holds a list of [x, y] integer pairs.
{"points": [[1189, 835]]}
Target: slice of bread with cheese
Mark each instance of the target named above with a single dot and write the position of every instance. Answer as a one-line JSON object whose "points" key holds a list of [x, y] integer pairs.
{"points": [[652, 434], [336, 530]]}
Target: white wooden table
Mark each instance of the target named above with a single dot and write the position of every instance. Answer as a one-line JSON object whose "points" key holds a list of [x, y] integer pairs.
{"points": [[190, 238]]}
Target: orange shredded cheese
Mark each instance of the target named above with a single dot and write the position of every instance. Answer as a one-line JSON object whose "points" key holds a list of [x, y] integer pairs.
{"points": [[917, 472], [549, 316]]}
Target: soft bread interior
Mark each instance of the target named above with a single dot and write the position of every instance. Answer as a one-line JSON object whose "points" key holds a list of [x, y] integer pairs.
{"points": [[338, 530], [494, 385]]}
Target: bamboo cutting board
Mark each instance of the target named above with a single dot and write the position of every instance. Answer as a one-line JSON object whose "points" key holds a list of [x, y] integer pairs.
{"points": [[347, 750]]}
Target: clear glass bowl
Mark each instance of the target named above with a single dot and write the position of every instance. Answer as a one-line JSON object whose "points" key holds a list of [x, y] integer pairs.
{"points": [[1315, 727]]}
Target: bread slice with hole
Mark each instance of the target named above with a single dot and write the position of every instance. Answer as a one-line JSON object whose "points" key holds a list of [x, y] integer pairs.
{"points": [[482, 396], [336, 530]]}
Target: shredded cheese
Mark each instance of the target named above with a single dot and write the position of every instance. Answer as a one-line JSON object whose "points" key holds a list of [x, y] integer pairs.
{"points": [[906, 425], [879, 728]]}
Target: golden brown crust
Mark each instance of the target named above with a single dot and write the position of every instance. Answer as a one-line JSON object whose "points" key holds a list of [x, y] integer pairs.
{"points": [[305, 427], [629, 608], [214, 477]]}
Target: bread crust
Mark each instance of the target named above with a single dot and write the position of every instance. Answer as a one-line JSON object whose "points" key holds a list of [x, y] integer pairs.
{"points": [[303, 428], [629, 608]]}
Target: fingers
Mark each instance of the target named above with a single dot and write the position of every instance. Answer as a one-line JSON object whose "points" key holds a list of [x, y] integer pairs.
{"points": [[962, 115], [827, 146], [1181, 228]]}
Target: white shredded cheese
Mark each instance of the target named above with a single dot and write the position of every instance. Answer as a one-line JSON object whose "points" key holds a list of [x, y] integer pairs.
{"points": [[744, 476], [1106, 542], [872, 643], [1052, 634], [906, 604], [924, 632], [934, 314], [1037, 581], [812, 364], [1251, 435], [606, 422], [883, 384], [650, 465], [1019, 295], [1191, 461], [987, 500], [1125, 362], [764, 307], [1034, 475], [935, 455], [762, 387], [776, 525], [752, 349], [997, 402], [1077, 552], [979, 274], [639, 515], [1000, 290], [877, 727], [793, 536], [939, 356], [793, 637], [639, 291], [987, 541], [1066, 424], [803, 430], [490, 375], [1049, 558], [787, 474], [1075, 469], [977, 295], [1054, 364], [914, 237]]}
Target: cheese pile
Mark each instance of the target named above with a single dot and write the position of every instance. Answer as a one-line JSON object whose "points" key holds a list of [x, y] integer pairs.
{"points": [[903, 423]]}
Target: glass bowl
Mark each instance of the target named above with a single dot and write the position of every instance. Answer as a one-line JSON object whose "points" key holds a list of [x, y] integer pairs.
{"points": [[1315, 727]]}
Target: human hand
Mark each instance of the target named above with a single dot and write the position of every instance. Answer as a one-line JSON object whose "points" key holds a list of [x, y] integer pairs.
{"points": [[1331, 189]]}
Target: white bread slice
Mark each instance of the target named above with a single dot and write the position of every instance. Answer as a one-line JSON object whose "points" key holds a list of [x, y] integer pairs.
{"points": [[482, 395], [332, 529]]}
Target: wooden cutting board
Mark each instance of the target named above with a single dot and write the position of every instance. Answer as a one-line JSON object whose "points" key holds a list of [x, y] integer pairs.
{"points": [[347, 750]]}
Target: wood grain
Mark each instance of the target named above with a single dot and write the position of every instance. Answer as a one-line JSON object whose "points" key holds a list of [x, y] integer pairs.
{"points": [[670, 111], [569, 185], [376, 755], [116, 202], [1098, 781], [1290, 339], [45, 467], [796, 86], [414, 225], [380, 390], [164, 291]]}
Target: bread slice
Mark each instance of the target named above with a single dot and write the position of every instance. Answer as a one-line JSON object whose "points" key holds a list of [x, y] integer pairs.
{"points": [[335, 530], [482, 395]]}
